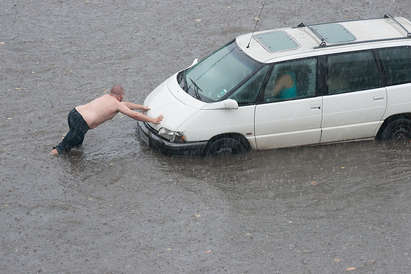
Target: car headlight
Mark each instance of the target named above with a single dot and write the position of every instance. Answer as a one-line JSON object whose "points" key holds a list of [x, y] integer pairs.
{"points": [[172, 136]]}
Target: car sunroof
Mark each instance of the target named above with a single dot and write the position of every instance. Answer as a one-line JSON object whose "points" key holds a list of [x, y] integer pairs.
{"points": [[334, 33], [276, 41]]}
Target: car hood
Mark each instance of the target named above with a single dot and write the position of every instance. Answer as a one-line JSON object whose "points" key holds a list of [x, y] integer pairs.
{"points": [[170, 100]]}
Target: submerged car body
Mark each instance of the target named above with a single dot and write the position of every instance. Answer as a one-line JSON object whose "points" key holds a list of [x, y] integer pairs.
{"points": [[289, 87]]}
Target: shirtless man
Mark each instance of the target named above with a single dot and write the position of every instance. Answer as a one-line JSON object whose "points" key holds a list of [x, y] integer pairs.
{"points": [[89, 116]]}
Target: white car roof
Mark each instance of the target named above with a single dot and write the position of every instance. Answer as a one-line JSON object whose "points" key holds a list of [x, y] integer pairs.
{"points": [[267, 45]]}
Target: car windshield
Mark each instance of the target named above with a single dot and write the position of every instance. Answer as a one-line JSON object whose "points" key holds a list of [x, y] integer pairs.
{"points": [[218, 74]]}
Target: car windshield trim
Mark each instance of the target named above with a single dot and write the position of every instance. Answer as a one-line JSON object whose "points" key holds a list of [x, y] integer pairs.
{"points": [[216, 76]]}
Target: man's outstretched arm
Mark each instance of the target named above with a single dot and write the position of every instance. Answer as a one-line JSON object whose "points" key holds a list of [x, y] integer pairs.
{"points": [[136, 106], [139, 116]]}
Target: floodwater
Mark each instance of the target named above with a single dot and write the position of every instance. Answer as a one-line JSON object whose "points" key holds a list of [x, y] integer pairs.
{"points": [[116, 206]]}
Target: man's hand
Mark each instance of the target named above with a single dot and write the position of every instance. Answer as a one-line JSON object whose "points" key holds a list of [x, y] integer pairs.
{"points": [[144, 108], [123, 108], [158, 119]]}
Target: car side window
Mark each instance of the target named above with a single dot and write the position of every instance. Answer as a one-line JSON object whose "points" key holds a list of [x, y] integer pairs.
{"points": [[397, 64], [292, 80], [352, 71], [247, 93]]}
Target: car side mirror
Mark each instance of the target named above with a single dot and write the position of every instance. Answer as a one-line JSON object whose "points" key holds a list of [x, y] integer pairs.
{"points": [[230, 104]]}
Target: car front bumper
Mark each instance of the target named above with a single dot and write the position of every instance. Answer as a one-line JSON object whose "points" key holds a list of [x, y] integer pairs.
{"points": [[149, 136]]}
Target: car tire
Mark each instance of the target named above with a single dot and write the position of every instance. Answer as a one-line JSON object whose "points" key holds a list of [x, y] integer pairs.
{"points": [[225, 146], [397, 130]]}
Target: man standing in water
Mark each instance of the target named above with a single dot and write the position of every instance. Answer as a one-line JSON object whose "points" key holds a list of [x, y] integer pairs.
{"points": [[88, 116]]}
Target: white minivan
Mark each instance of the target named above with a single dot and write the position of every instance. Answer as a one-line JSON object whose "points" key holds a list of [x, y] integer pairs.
{"points": [[309, 84]]}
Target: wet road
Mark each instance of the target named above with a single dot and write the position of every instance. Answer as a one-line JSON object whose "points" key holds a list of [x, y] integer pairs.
{"points": [[115, 206]]}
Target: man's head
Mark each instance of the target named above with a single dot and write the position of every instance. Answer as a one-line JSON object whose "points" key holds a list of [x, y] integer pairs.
{"points": [[118, 92]]}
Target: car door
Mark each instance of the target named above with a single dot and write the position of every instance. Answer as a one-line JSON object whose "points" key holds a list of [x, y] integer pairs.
{"points": [[242, 120], [290, 111], [356, 99]]}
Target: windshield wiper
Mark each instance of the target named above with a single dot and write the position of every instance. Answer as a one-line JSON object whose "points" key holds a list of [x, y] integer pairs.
{"points": [[196, 88], [184, 80]]}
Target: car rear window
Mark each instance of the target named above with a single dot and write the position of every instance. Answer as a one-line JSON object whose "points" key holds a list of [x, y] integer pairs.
{"points": [[397, 64]]}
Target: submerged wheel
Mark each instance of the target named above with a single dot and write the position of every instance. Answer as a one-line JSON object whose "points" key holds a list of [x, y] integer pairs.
{"points": [[225, 145], [397, 130]]}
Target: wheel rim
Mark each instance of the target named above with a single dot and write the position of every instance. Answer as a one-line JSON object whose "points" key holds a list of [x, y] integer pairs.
{"points": [[224, 150], [226, 147], [401, 132]]}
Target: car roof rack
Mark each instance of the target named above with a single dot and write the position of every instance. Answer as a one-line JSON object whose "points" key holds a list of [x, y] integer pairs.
{"points": [[323, 43], [398, 23]]}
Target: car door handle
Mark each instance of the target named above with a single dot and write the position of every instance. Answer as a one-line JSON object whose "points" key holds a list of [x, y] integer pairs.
{"points": [[316, 107], [377, 98]]}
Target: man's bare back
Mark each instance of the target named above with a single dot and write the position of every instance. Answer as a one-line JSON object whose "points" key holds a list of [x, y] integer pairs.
{"points": [[97, 112]]}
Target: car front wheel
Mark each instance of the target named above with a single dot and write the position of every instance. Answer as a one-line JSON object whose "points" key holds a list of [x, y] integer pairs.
{"points": [[224, 146]]}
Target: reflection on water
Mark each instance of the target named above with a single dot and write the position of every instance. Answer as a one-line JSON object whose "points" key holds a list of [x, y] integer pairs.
{"points": [[293, 163], [305, 184], [364, 163]]}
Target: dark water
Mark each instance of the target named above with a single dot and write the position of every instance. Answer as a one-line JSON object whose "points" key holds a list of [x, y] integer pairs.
{"points": [[115, 206]]}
